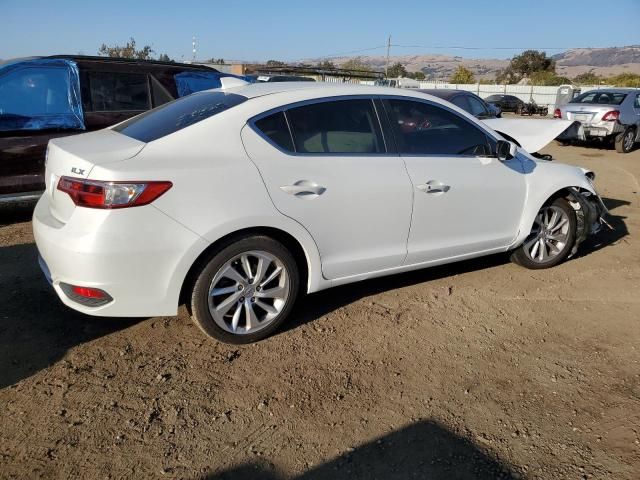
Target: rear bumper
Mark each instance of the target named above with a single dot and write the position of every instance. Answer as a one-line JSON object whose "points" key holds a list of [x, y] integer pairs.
{"points": [[139, 256]]}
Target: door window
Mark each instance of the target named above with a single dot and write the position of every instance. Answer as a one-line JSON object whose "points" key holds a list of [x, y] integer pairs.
{"points": [[425, 129], [341, 126], [477, 107], [275, 128], [637, 103], [116, 92]]}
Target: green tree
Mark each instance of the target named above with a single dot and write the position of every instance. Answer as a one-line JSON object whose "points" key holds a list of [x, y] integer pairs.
{"points": [[217, 61], [462, 75], [164, 58], [356, 64], [524, 65], [625, 80], [548, 78], [128, 51], [275, 63], [588, 78], [419, 75], [396, 70]]}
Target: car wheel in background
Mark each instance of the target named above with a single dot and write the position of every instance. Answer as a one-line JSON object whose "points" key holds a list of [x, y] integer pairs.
{"points": [[551, 239], [625, 140], [246, 290]]}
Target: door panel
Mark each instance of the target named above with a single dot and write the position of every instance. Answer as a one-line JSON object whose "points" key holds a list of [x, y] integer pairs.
{"points": [[357, 206], [465, 202]]}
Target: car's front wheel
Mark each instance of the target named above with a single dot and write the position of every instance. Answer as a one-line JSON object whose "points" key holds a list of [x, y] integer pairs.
{"points": [[246, 290], [551, 239]]}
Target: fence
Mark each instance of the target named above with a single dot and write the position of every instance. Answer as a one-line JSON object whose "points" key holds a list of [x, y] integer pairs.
{"points": [[544, 96]]}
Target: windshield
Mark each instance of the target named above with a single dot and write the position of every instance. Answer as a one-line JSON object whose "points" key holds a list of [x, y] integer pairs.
{"points": [[176, 115], [601, 98]]}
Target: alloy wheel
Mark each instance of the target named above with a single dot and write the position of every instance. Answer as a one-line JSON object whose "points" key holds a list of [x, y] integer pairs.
{"points": [[248, 292], [629, 138], [549, 235]]}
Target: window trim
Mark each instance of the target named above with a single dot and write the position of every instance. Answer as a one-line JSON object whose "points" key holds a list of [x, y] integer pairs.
{"points": [[491, 140], [284, 108]]}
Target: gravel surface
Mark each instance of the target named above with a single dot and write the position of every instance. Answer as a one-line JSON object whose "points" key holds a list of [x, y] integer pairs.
{"points": [[480, 369]]}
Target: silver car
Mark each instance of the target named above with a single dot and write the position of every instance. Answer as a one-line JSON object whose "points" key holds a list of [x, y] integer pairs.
{"points": [[608, 114]]}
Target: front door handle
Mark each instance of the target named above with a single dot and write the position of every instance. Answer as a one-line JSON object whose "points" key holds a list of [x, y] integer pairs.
{"points": [[304, 188], [433, 187]]}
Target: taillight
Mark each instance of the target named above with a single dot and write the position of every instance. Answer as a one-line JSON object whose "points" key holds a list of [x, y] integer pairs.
{"points": [[611, 116], [557, 113], [97, 194]]}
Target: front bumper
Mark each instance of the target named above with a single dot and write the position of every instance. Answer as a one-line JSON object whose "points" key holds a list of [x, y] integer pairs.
{"points": [[591, 215], [139, 256]]}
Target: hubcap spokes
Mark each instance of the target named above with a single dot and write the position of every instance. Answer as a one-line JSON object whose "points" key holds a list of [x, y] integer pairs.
{"points": [[248, 292], [549, 235]]}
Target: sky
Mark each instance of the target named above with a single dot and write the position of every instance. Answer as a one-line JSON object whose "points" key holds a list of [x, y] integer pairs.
{"points": [[291, 30]]}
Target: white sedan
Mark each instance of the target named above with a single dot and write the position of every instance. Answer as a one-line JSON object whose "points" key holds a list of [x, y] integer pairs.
{"points": [[237, 200]]}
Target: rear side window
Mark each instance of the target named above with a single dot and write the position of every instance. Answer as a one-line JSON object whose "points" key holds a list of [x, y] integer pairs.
{"points": [[342, 126], [424, 129], [275, 128], [601, 98], [117, 92], [176, 115]]}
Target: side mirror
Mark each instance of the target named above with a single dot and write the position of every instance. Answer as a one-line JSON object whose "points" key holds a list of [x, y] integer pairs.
{"points": [[505, 150]]}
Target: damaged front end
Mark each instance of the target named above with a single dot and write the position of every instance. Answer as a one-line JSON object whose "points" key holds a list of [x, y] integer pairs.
{"points": [[590, 214]]}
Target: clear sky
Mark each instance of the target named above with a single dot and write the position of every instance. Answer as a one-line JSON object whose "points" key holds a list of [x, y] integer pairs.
{"points": [[295, 29]]}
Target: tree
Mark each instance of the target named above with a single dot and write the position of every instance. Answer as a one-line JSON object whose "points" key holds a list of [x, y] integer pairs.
{"points": [[165, 58], [356, 64], [326, 65], [396, 70], [462, 75], [548, 78], [275, 63], [588, 78], [128, 51], [419, 75], [625, 80], [217, 61], [524, 65]]}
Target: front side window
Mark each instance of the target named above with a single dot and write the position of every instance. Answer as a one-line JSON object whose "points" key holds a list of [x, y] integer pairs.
{"points": [[341, 126], [477, 107], [637, 104], [425, 129], [176, 115], [118, 92]]}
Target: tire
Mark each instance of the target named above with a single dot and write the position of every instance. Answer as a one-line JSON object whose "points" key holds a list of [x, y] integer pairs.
{"points": [[553, 244], [242, 297], [625, 140]]}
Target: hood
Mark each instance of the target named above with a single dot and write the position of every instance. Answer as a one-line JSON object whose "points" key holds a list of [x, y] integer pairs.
{"points": [[532, 134]]}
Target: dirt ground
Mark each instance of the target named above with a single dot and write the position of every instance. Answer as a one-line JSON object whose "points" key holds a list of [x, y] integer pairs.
{"points": [[480, 369]]}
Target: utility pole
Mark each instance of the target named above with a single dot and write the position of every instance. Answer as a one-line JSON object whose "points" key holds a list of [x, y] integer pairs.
{"points": [[193, 58], [386, 68]]}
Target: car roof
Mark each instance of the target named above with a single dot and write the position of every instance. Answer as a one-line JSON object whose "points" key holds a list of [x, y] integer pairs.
{"points": [[319, 89], [132, 61], [445, 93], [614, 90]]}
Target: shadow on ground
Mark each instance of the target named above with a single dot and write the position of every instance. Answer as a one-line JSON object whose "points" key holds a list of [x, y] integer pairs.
{"points": [[16, 212], [36, 329], [424, 450]]}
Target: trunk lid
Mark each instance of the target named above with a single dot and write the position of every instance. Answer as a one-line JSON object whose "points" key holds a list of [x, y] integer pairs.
{"points": [[75, 156], [587, 114]]}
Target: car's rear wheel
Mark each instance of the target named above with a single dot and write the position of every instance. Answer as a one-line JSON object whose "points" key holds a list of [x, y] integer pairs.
{"points": [[551, 239], [246, 290], [625, 140]]}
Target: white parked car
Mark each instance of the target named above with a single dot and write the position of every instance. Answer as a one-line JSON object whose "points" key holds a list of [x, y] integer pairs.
{"points": [[239, 199]]}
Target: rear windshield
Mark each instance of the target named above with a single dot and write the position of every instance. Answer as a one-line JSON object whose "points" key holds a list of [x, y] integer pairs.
{"points": [[176, 115], [602, 98]]}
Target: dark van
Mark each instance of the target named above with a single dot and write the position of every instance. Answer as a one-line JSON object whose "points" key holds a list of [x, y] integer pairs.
{"points": [[47, 97]]}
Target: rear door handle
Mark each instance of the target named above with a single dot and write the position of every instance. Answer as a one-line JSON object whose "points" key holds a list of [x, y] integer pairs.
{"points": [[433, 187], [304, 188]]}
